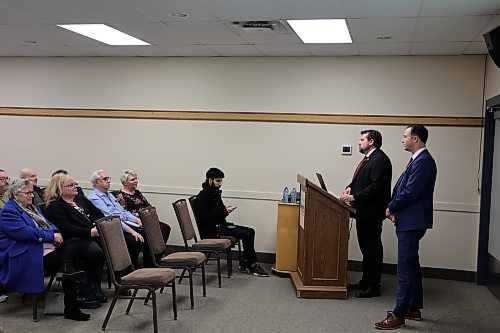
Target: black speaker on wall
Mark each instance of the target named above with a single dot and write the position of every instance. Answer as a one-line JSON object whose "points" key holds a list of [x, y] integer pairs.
{"points": [[492, 40]]}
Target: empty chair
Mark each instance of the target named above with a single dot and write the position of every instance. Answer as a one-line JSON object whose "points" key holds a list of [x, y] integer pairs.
{"points": [[234, 241], [118, 260], [208, 246], [188, 261]]}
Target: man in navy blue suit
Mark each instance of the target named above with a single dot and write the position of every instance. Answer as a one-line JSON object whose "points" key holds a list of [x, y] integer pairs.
{"points": [[411, 211]]}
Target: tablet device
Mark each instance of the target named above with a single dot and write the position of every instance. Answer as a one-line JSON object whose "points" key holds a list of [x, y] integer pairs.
{"points": [[321, 181]]}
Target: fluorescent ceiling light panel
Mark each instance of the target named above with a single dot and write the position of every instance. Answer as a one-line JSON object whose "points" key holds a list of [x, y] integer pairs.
{"points": [[103, 33], [321, 31]]}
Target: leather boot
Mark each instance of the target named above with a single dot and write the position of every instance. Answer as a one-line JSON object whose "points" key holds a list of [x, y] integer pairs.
{"points": [[71, 310]]}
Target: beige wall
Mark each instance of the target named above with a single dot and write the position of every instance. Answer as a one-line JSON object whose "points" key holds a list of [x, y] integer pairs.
{"points": [[259, 158]]}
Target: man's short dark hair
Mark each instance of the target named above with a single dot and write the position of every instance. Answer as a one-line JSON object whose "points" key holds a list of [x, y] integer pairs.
{"points": [[375, 136], [214, 173], [420, 131]]}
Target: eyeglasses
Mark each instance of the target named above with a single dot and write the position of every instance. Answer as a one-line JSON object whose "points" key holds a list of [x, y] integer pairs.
{"points": [[4, 179], [71, 185], [106, 179], [29, 193]]}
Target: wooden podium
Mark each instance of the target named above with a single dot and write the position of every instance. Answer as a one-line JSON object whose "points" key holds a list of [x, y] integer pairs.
{"points": [[322, 244]]}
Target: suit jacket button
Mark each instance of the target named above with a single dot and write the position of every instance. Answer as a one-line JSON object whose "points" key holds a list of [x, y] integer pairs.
{"points": [[40, 239]]}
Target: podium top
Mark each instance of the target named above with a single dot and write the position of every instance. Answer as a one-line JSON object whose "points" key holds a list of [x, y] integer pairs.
{"points": [[305, 183]]}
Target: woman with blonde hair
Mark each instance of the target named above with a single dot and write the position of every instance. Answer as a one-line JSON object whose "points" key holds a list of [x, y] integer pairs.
{"points": [[75, 216]]}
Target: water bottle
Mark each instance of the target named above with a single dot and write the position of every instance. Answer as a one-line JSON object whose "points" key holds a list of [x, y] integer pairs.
{"points": [[293, 196], [285, 194]]}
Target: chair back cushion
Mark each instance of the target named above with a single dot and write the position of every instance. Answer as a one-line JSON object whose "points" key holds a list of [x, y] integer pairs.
{"points": [[112, 237], [151, 224], [182, 213]]}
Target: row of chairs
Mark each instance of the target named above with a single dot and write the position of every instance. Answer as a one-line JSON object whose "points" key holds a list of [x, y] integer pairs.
{"points": [[197, 253]]}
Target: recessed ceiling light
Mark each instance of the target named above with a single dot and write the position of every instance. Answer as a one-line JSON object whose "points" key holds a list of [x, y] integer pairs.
{"points": [[103, 33], [182, 15], [321, 31]]}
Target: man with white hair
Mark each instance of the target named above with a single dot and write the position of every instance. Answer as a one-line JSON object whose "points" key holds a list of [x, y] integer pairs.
{"points": [[107, 204]]}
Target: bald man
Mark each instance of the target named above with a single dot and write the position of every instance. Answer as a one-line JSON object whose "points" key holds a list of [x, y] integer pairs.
{"points": [[39, 194]]}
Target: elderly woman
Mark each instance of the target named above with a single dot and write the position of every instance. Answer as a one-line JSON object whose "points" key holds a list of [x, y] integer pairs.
{"points": [[28, 244], [133, 200], [75, 216]]}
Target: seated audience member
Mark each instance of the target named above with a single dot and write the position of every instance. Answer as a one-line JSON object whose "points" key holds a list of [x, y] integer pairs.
{"points": [[75, 216], [4, 184], [211, 213], [28, 244], [39, 193], [78, 188], [107, 204], [132, 199]]}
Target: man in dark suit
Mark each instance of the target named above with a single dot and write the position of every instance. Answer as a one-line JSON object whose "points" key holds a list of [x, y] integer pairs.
{"points": [[411, 211], [369, 192]]}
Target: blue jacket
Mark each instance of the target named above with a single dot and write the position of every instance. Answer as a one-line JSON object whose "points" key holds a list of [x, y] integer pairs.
{"points": [[21, 250], [412, 198]]}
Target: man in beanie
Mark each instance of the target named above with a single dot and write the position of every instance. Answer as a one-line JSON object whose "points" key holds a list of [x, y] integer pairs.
{"points": [[211, 215]]}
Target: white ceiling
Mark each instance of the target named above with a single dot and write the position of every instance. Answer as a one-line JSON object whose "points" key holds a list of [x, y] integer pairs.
{"points": [[416, 27]]}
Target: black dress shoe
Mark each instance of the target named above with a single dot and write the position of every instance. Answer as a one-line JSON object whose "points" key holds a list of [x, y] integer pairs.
{"points": [[103, 299], [125, 292], [76, 314], [372, 291], [357, 286]]}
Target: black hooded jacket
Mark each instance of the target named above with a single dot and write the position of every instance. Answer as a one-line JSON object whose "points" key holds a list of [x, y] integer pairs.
{"points": [[209, 210]]}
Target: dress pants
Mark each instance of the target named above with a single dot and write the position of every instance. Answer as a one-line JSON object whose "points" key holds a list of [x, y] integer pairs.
{"points": [[410, 291], [370, 243]]}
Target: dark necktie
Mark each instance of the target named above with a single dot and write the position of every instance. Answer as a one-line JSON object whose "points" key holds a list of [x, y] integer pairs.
{"points": [[359, 167], [409, 162]]}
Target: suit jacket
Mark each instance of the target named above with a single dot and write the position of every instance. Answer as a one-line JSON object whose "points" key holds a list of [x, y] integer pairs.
{"points": [[412, 198], [69, 221], [21, 250], [371, 187]]}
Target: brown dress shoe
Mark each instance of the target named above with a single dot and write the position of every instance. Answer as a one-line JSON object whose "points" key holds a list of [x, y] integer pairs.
{"points": [[412, 314], [390, 323]]}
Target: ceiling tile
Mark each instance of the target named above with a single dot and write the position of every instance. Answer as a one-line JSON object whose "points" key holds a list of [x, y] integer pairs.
{"points": [[160, 9], [441, 48], [226, 10], [9, 16], [435, 29], [235, 50], [181, 33], [191, 51], [331, 49], [88, 11], [283, 50], [460, 7], [300, 9], [381, 8], [383, 48], [476, 48], [367, 30]]}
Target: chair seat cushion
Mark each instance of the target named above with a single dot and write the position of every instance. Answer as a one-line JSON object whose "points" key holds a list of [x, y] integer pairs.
{"points": [[231, 238], [184, 258], [212, 244], [155, 277]]}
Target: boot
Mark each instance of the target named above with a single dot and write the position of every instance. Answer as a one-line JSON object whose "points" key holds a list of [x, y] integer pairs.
{"points": [[71, 310], [70, 273]]}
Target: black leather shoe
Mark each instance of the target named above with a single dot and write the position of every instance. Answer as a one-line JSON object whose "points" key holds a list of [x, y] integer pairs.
{"points": [[357, 286], [125, 292], [372, 291], [76, 314], [103, 299]]}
